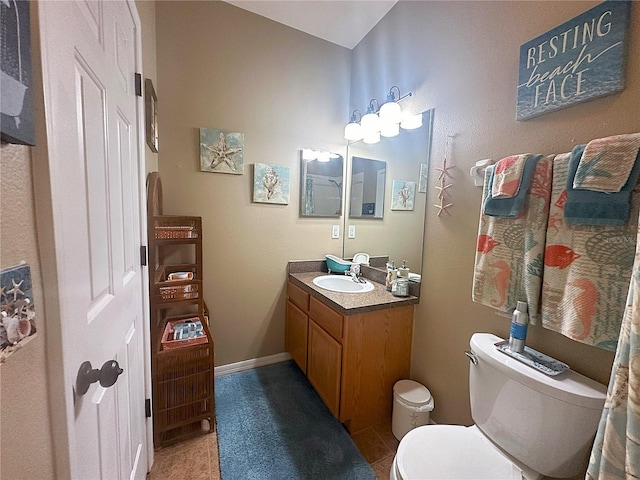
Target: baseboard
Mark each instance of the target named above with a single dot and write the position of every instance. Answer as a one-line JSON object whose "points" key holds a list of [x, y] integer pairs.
{"points": [[251, 363]]}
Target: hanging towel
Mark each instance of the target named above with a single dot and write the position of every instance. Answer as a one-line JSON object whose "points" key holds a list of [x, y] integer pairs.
{"points": [[509, 253], [607, 162], [587, 207], [507, 176], [587, 270], [511, 207]]}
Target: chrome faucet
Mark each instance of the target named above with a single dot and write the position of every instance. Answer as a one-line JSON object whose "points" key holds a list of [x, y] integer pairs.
{"points": [[354, 271]]}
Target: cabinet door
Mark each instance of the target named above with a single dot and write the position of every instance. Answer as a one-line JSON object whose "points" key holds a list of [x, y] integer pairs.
{"points": [[324, 366], [295, 335]]}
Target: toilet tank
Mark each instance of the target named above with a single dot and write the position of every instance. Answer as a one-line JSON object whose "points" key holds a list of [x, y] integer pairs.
{"points": [[547, 423]]}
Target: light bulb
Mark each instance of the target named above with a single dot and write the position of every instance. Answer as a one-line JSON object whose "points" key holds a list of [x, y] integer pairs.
{"points": [[371, 137], [370, 123], [390, 129], [353, 132], [411, 122], [390, 112]]}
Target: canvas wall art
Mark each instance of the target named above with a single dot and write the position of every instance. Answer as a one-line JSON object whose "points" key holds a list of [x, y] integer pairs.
{"points": [[221, 152], [17, 312], [403, 194], [16, 107], [271, 183]]}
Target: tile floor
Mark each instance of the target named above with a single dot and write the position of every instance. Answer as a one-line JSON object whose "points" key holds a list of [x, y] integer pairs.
{"points": [[197, 459]]}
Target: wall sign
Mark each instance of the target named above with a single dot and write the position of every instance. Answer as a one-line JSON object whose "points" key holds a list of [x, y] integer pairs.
{"points": [[580, 60]]}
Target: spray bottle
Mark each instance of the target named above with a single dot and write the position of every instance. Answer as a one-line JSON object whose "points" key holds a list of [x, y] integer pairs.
{"points": [[518, 332]]}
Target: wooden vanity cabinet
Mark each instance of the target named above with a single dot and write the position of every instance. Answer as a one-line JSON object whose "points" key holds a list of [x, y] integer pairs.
{"points": [[352, 361]]}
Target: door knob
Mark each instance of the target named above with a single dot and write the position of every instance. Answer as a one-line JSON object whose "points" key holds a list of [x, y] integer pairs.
{"points": [[87, 375]]}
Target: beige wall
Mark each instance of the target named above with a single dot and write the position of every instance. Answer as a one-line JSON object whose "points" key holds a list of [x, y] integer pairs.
{"points": [[222, 67], [25, 439], [461, 58]]}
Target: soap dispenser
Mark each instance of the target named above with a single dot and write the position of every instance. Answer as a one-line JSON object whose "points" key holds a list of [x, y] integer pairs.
{"points": [[403, 271]]}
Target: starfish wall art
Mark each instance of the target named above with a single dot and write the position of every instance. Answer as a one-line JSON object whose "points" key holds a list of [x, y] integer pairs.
{"points": [[221, 152], [443, 185]]}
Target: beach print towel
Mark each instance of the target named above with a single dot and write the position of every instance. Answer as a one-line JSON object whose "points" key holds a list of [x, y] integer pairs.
{"points": [[509, 253], [587, 270]]}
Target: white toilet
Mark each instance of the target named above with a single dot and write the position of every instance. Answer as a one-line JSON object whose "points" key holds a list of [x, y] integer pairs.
{"points": [[527, 425]]}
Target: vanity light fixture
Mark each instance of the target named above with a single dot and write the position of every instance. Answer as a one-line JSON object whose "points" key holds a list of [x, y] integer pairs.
{"points": [[410, 121], [320, 155], [353, 130], [371, 122], [386, 120], [390, 111]]}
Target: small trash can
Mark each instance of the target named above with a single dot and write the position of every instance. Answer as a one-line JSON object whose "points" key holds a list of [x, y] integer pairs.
{"points": [[412, 406]]}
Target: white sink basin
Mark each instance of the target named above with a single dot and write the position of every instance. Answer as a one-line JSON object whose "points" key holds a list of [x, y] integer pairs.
{"points": [[342, 284]]}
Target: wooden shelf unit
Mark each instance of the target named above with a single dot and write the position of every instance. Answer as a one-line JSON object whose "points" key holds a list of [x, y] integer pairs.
{"points": [[182, 377]]}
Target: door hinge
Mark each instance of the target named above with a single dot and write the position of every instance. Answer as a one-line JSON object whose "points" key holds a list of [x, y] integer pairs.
{"points": [[143, 255], [138, 84], [147, 408]]}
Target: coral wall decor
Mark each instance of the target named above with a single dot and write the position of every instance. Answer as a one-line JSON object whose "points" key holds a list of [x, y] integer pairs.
{"points": [[271, 183], [221, 152]]}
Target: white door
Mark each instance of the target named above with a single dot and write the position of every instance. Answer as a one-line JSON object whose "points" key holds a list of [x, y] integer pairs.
{"points": [[90, 54]]}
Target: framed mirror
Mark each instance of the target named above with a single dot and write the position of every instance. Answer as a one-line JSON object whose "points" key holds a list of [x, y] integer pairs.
{"points": [[322, 183], [398, 234], [367, 183]]}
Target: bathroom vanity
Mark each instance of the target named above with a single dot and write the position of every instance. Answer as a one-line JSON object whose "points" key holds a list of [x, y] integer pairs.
{"points": [[352, 347]]}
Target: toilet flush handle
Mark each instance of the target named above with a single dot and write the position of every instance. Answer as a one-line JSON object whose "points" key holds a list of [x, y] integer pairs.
{"points": [[472, 357]]}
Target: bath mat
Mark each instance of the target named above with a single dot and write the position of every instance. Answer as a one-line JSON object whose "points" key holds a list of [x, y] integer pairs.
{"points": [[273, 425]]}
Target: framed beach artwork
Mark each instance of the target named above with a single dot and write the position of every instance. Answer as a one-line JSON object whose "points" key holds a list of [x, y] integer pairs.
{"points": [[151, 114], [221, 152], [16, 107], [17, 312], [271, 184], [403, 194]]}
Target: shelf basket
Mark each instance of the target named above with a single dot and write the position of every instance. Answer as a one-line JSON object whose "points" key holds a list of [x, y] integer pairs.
{"points": [[176, 227]]}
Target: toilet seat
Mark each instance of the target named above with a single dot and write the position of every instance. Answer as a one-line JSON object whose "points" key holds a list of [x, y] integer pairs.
{"points": [[451, 452]]}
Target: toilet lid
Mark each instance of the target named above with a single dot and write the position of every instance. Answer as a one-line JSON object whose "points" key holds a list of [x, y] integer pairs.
{"points": [[451, 452]]}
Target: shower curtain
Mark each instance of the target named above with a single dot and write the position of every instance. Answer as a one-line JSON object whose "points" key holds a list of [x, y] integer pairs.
{"points": [[616, 450]]}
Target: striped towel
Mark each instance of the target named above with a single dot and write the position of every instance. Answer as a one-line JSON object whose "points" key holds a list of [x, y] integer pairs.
{"points": [[507, 176], [607, 162], [509, 253], [587, 270]]}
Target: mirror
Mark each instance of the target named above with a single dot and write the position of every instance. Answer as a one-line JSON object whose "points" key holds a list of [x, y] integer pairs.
{"points": [[398, 233], [322, 182], [368, 178]]}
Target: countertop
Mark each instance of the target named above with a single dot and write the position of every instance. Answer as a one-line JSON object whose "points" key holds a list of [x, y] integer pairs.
{"points": [[351, 303]]}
